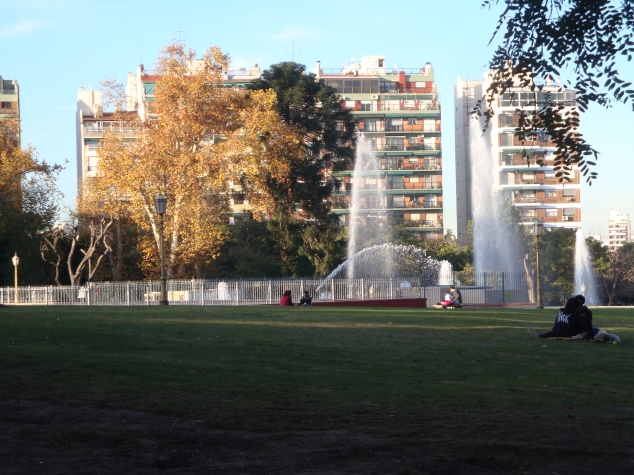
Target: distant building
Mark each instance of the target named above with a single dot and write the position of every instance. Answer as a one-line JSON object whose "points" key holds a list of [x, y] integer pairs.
{"points": [[532, 188], [618, 229], [9, 98], [598, 238], [398, 112]]}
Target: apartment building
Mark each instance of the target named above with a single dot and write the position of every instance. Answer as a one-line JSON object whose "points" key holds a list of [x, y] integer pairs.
{"points": [[533, 188], [92, 121], [398, 113], [9, 98], [618, 229]]}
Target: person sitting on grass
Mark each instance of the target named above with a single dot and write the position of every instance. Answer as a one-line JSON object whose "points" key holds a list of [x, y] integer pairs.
{"points": [[457, 296], [597, 334], [286, 300], [306, 300], [449, 300], [568, 322]]}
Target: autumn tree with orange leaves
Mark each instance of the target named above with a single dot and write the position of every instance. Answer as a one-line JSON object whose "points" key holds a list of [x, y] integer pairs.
{"points": [[196, 138]]}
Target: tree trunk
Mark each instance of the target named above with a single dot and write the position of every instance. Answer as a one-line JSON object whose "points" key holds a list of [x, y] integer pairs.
{"points": [[98, 237]]}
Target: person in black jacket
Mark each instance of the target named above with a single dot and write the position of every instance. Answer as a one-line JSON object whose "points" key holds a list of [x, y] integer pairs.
{"points": [[568, 322], [596, 333], [306, 300]]}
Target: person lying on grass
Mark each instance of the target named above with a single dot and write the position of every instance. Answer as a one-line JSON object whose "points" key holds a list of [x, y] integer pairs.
{"points": [[568, 322], [568, 326]]}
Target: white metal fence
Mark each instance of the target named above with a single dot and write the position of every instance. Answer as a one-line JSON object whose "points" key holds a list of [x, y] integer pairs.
{"points": [[485, 288]]}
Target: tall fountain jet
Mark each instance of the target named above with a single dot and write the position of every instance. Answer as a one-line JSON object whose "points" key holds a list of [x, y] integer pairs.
{"points": [[584, 274], [368, 200], [495, 242]]}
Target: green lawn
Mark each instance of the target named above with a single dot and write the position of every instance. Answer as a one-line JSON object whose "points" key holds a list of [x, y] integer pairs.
{"points": [[266, 364]]}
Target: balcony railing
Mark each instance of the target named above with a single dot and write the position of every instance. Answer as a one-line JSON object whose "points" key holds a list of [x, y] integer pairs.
{"points": [[421, 106], [423, 224], [413, 186], [416, 204], [394, 186], [552, 219], [535, 199], [402, 147], [100, 130], [420, 166], [513, 180]]}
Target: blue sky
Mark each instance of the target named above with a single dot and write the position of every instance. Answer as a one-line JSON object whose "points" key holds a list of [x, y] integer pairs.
{"points": [[52, 47]]}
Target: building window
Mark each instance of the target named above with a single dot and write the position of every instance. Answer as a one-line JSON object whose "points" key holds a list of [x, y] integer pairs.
{"points": [[148, 87], [550, 174], [528, 213], [506, 140], [394, 143], [387, 86], [551, 193], [369, 125], [568, 192], [412, 121], [506, 120], [367, 106], [429, 125], [431, 201], [551, 213], [398, 202], [429, 143], [420, 84], [351, 104], [394, 124]]}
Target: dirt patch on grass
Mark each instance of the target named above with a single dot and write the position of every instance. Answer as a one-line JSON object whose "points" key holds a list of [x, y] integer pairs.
{"points": [[44, 438]]}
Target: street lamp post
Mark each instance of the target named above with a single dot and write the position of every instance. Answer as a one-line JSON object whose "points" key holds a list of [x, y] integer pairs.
{"points": [[16, 261], [161, 207], [538, 230]]}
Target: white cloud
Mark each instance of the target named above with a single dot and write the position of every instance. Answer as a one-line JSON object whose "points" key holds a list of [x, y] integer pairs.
{"points": [[21, 28]]}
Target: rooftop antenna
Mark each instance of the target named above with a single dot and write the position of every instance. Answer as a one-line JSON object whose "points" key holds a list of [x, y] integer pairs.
{"points": [[180, 33], [293, 50], [141, 54]]}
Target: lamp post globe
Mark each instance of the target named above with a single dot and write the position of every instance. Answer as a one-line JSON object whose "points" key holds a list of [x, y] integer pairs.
{"points": [[161, 207], [538, 230], [16, 261], [161, 204]]}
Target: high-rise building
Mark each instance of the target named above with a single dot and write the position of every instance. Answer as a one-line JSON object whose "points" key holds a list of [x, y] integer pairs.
{"points": [[532, 187], [618, 229], [398, 113], [9, 98]]}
